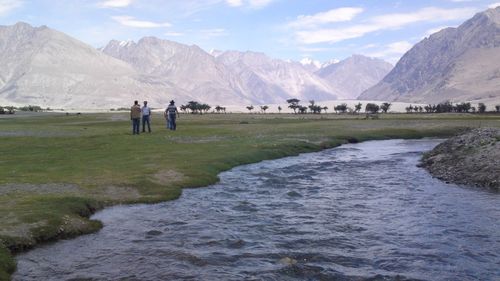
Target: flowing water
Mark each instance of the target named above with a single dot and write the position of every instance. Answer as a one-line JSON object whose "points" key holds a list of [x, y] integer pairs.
{"points": [[358, 212]]}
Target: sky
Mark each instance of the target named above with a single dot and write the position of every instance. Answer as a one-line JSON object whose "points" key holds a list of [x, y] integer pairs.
{"points": [[321, 30]]}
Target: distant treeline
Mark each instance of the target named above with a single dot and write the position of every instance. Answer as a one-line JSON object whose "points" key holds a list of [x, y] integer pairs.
{"points": [[30, 108], [447, 107]]}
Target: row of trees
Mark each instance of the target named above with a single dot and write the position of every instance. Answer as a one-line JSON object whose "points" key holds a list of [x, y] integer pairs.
{"points": [[7, 110], [447, 107], [341, 108], [13, 109], [314, 108]]}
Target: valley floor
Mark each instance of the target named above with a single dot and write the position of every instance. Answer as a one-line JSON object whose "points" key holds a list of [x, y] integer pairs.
{"points": [[57, 169]]}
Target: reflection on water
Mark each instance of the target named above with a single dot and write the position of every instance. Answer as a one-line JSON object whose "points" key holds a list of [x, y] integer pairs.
{"points": [[357, 212]]}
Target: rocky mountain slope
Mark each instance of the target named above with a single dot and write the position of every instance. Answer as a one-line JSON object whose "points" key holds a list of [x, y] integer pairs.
{"points": [[455, 64], [188, 67], [355, 74], [46, 67], [275, 80]]}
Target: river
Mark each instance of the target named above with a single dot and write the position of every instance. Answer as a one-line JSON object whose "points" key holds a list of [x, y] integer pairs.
{"points": [[357, 212]]}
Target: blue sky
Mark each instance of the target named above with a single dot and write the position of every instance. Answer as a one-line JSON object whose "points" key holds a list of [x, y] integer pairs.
{"points": [[287, 29]]}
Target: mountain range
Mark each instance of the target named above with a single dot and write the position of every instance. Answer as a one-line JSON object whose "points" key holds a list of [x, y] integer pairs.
{"points": [[42, 66], [455, 64]]}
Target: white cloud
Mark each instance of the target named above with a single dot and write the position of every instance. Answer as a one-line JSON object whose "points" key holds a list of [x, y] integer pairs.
{"points": [[430, 14], [234, 3], [383, 22], [115, 3], [494, 5], [331, 16], [132, 22], [8, 5], [391, 52]]}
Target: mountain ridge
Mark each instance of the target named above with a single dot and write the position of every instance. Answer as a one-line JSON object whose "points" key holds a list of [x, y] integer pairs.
{"points": [[49, 68], [455, 64]]}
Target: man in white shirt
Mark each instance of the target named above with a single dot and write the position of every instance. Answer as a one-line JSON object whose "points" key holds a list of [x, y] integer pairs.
{"points": [[146, 117]]}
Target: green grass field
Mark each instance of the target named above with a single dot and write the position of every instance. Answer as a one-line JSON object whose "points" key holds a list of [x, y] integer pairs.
{"points": [[56, 170]]}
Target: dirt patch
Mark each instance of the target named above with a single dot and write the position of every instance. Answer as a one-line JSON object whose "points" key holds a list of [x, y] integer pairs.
{"points": [[12, 227], [118, 193], [165, 177], [52, 188]]}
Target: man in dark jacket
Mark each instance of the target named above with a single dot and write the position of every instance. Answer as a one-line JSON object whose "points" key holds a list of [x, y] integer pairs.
{"points": [[135, 116], [170, 114]]}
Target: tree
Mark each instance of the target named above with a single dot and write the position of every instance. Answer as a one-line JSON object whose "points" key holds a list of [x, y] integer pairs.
{"points": [[204, 108], [481, 107], [497, 108], [357, 107], [250, 108], [218, 108], [325, 108], [372, 108], [2, 110], [302, 109], [342, 108], [409, 109], [194, 106], [385, 106], [264, 108], [444, 107], [314, 108], [279, 109], [462, 107], [293, 104], [429, 108]]}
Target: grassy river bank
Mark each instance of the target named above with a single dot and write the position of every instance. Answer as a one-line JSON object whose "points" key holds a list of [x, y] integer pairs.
{"points": [[57, 170]]}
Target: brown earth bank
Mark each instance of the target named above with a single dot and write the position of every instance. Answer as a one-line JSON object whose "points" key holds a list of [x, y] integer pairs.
{"points": [[470, 158]]}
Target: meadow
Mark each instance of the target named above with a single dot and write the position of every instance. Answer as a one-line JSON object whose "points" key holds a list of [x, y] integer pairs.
{"points": [[58, 169]]}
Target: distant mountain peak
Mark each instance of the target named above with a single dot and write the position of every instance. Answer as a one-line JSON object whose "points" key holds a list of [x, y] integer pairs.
{"points": [[493, 14], [354, 74], [310, 62]]}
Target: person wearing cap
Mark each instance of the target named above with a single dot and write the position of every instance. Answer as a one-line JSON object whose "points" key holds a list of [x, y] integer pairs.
{"points": [[146, 117], [171, 113], [135, 116]]}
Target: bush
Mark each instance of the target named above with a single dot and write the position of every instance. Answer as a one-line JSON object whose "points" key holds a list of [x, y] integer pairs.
{"points": [[481, 108], [372, 108]]}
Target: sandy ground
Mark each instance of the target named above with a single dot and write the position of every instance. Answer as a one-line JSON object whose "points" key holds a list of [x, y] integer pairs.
{"points": [[396, 107]]}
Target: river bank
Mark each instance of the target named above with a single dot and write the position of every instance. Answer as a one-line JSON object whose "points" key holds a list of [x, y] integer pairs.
{"points": [[360, 211], [92, 161], [471, 158]]}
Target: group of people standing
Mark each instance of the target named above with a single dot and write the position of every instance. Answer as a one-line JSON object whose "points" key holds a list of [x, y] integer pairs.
{"points": [[138, 113]]}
